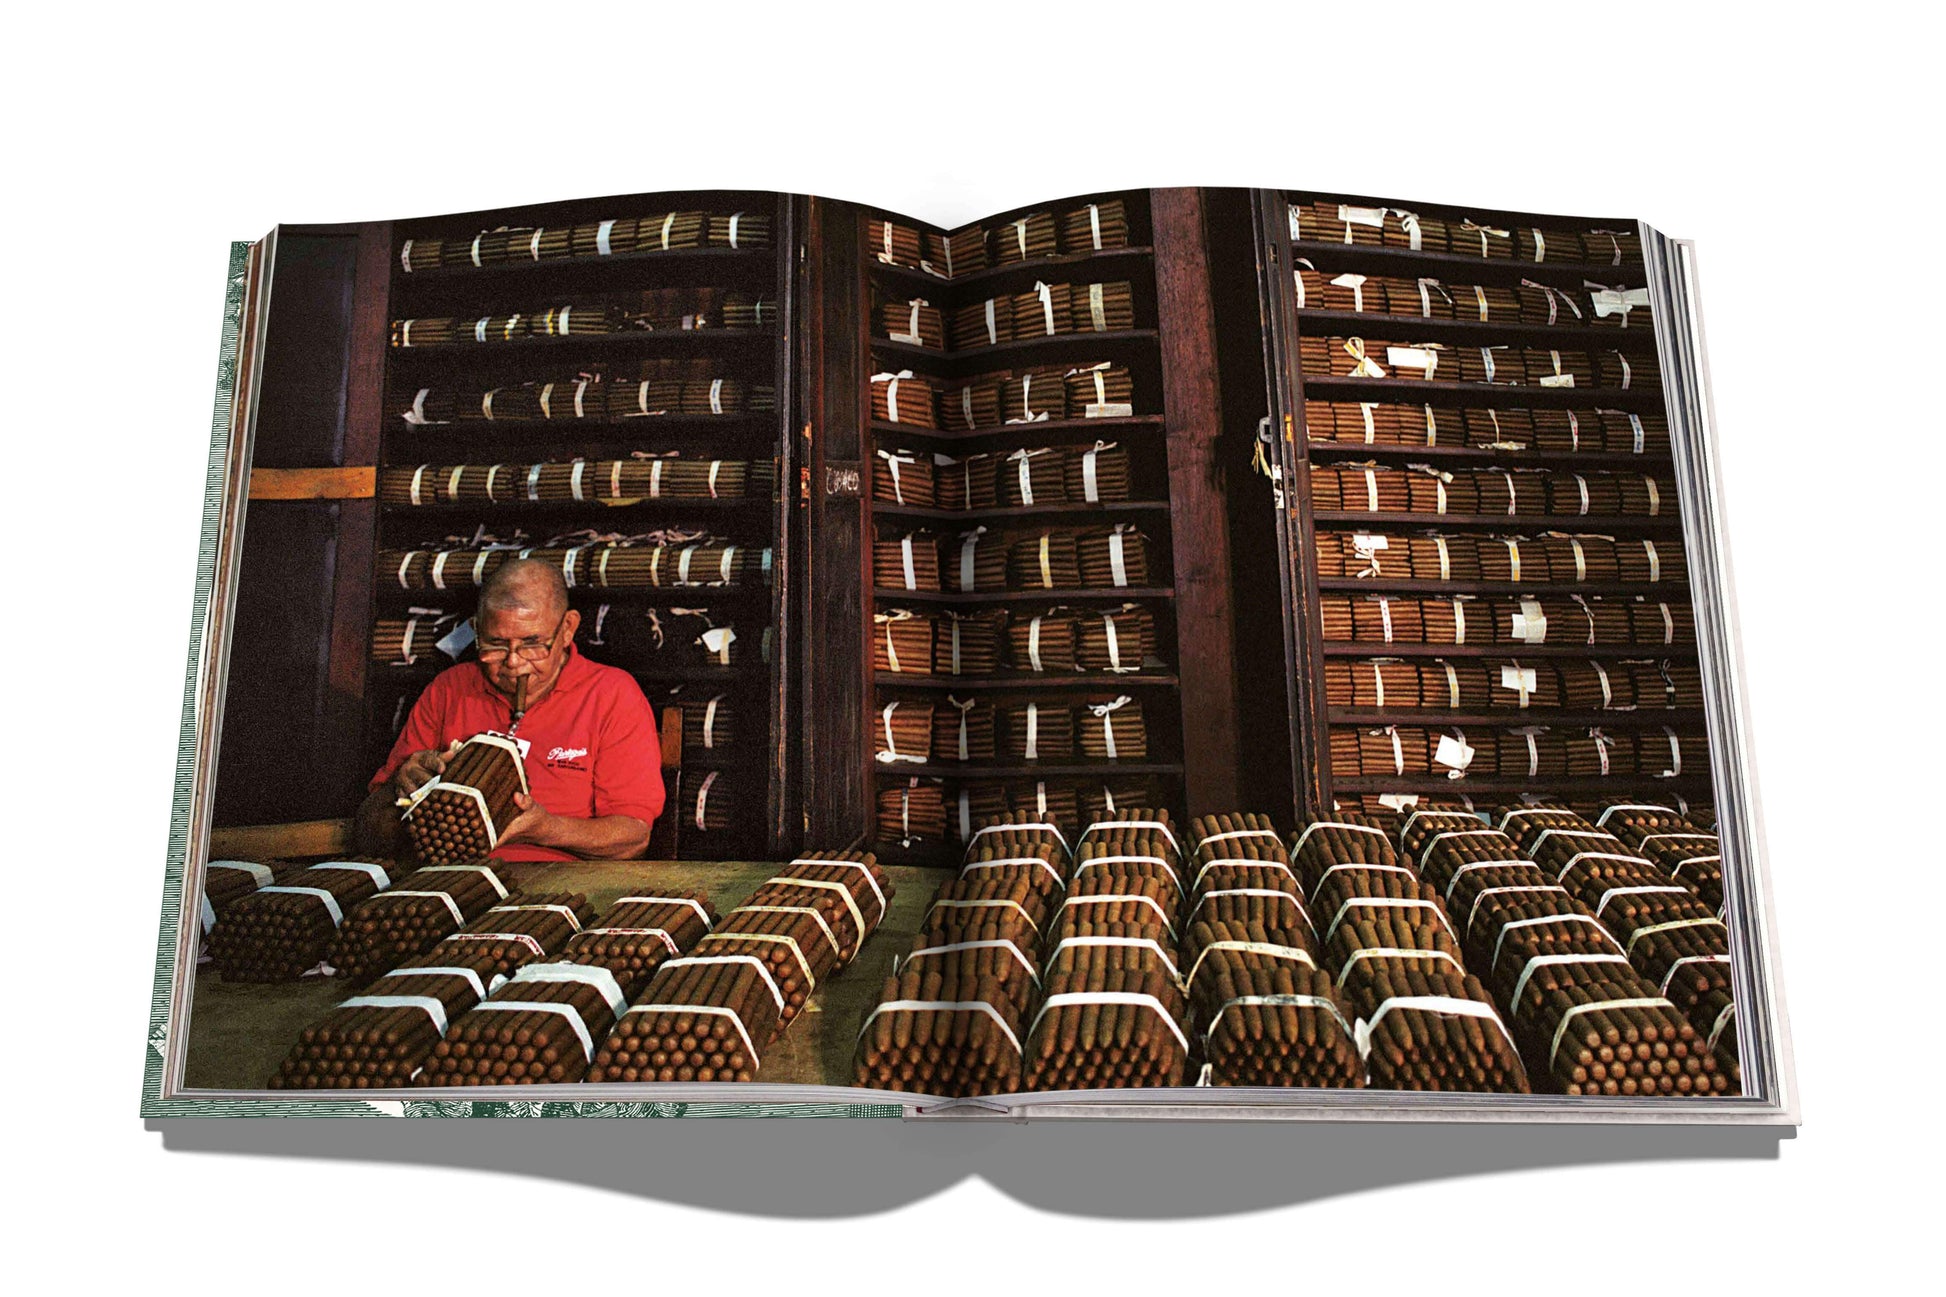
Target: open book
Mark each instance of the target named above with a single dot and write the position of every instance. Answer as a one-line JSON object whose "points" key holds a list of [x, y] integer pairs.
{"points": [[1178, 651]]}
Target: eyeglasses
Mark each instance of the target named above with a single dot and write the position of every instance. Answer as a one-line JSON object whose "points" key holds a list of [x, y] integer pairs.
{"points": [[526, 652]]}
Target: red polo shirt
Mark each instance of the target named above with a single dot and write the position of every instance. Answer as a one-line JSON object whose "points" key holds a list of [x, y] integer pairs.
{"points": [[593, 746]]}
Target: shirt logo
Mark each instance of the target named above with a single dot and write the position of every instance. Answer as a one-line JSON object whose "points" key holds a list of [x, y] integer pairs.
{"points": [[568, 757]]}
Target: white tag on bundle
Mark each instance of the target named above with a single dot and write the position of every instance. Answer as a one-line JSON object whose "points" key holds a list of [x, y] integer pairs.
{"points": [[1557, 380], [1356, 283], [1410, 358], [1530, 623], [1453, 752], [1372, 216], [1108, 410], [1522, 679]]}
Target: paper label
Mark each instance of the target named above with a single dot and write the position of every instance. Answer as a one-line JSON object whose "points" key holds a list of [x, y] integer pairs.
{"points": [[1454, 752], [1372, 216], [1409, 357], [1108, 410], [1523, 679], [1557, 380]]}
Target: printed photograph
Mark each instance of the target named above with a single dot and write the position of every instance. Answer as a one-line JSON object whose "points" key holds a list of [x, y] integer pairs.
{"points": [[1250, 649]]}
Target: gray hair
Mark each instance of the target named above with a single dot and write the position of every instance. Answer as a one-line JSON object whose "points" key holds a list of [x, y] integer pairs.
{"points": [[525, 585]]}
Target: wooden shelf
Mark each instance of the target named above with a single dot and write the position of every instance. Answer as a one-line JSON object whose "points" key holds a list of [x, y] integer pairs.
{"points": [[1024, 769], [667, 503], [1106, 265], [1058, 347], [1046, 432], [1611, 524], [1439, 786], [1555, 335], [1103, 681], [1328, 386], [1385, 585], [1469, 456], [584, 429], [527, 265], [1552, 718], [883, 595], [1406, 263], [1340, 649], [921, 513], [649, 339]]}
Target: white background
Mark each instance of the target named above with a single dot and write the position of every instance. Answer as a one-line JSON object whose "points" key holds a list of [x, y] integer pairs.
{"points": [[143, 142]]}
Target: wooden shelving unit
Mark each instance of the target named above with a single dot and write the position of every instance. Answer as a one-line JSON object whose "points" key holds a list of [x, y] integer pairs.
{"points": [[1290, 387], [761, 680]]}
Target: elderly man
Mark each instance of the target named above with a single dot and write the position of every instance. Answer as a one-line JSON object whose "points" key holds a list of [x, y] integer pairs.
{"points": [[594, 763]]}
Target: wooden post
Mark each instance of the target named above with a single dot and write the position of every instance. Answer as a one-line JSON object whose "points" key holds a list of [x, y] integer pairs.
{"points": [[1198, 510], [836, 734]]}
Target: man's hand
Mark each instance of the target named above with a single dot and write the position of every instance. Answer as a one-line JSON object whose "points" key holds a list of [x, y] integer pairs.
{"points": [[420, 769], [530, 825]]}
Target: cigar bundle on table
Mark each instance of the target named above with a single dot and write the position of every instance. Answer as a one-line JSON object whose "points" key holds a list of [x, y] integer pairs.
{"points": [[418, 911], [1262, 1011], [458, 817], [225, 882], [708, 1015], [1423, 1021], [1095, 227], [284, 929], [1114, 1010], [381, 1037], [540, 1027], [1671, 938], [523, 928], [639, 934], [949, 1018]]}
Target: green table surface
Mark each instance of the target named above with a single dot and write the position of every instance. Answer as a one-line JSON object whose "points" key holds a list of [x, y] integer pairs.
{"points": [[240, 1032]]}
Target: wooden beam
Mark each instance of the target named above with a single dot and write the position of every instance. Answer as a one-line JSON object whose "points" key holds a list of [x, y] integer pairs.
{"points": [[1198, 509], [294, 841], [313, 483]]}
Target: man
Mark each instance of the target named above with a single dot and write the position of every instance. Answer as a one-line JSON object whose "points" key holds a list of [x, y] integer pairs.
{"points": [[594, 763]]}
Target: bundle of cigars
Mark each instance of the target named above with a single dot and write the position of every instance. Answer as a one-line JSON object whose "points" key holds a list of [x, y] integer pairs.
{"points": [[421, 909], [284, 928], [1262, 1009], [458, 816], [647, 389], [1496, 684], [1376, 488], [622, 563], [1340, 356], [950, 1018], [709, 1015]]}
